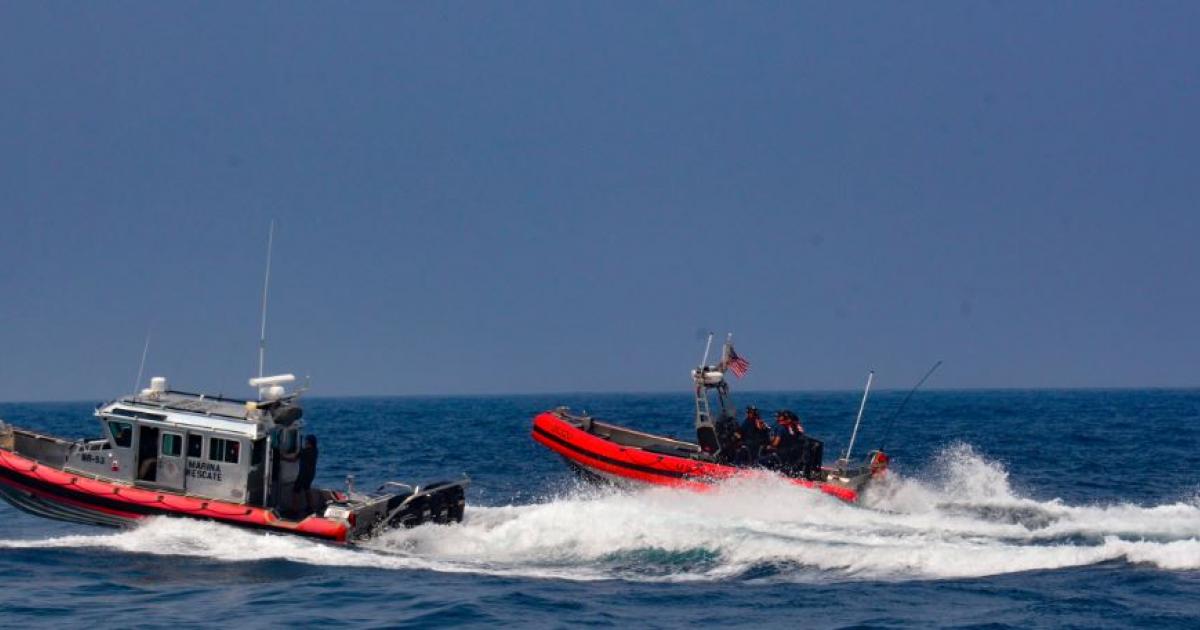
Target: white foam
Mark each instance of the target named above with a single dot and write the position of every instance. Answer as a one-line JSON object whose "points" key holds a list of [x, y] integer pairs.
{"points": [[964, 521]]}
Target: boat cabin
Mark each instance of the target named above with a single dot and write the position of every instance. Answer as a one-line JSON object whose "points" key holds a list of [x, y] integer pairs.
{"points": [[240, 451]]}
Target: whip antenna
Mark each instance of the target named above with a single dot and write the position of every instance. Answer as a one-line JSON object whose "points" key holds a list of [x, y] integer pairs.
{"points": [[146, 348], [892, 419], [262, 335], [707, 347], [861, 407]]}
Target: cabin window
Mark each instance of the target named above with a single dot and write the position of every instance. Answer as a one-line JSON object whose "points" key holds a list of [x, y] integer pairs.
{"points": [[122, 433], [172, 445], [195, 443], [220, 450]]}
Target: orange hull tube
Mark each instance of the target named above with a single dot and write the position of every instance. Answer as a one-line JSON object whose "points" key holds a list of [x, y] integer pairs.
{"points": [[132, 503], [598, 454]]}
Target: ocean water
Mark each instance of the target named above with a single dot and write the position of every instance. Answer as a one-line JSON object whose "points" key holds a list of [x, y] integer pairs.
{"points": [[1003, 509]]}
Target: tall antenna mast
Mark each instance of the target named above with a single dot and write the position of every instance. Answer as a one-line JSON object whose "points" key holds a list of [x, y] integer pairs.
{"points": [[262, 335], [146, 348], [861, 407]]}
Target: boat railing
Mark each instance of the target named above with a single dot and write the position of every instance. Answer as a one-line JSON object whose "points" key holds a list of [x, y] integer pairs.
{"points": [[100, 444], [42, 448], [191, 403], [217, 397], [396, 485], [583, 421]]}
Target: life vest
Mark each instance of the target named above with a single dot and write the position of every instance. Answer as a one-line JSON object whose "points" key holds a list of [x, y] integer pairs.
{"points": [[879, 463]]}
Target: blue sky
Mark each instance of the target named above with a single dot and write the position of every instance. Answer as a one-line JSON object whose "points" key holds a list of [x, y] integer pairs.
{"points": [[555, 196]]}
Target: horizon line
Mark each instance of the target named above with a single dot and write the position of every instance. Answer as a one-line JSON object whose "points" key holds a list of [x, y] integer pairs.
{"points": [[1087, 388]]}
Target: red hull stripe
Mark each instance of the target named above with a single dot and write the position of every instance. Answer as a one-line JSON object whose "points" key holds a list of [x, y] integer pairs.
{"points": [[55, 497], [129, 502]]}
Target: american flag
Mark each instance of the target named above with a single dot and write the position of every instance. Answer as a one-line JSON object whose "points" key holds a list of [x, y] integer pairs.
{"points": [[739, 365]]}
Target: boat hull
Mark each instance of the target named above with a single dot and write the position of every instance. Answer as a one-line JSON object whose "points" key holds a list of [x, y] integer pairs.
{"points": [[596, 455], [50, 492]]}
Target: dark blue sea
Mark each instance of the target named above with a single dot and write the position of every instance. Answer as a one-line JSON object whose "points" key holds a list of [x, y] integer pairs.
{"points": [[1004, 509]]}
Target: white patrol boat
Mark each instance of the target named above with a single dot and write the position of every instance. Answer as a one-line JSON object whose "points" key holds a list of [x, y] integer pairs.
{"points": [[172, 453]]}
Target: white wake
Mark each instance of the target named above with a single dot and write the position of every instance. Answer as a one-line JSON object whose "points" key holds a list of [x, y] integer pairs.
{"points": [[965, 521]]}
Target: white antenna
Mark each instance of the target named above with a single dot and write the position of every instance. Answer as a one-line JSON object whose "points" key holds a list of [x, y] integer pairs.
{"points": [[861, 406], [262, 335], [146, 348], [707, 347]]}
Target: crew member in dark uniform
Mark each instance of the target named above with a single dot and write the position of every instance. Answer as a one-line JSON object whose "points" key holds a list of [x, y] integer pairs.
{"points": [[308, 471], [752, 437], [786, 444]]}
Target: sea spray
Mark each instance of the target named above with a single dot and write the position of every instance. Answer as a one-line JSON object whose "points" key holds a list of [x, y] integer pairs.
{"points": [[957, 518]]}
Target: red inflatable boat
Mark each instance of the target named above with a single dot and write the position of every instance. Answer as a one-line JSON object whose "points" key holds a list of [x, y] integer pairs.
{"points": [[613, 453], [604, 451]]}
